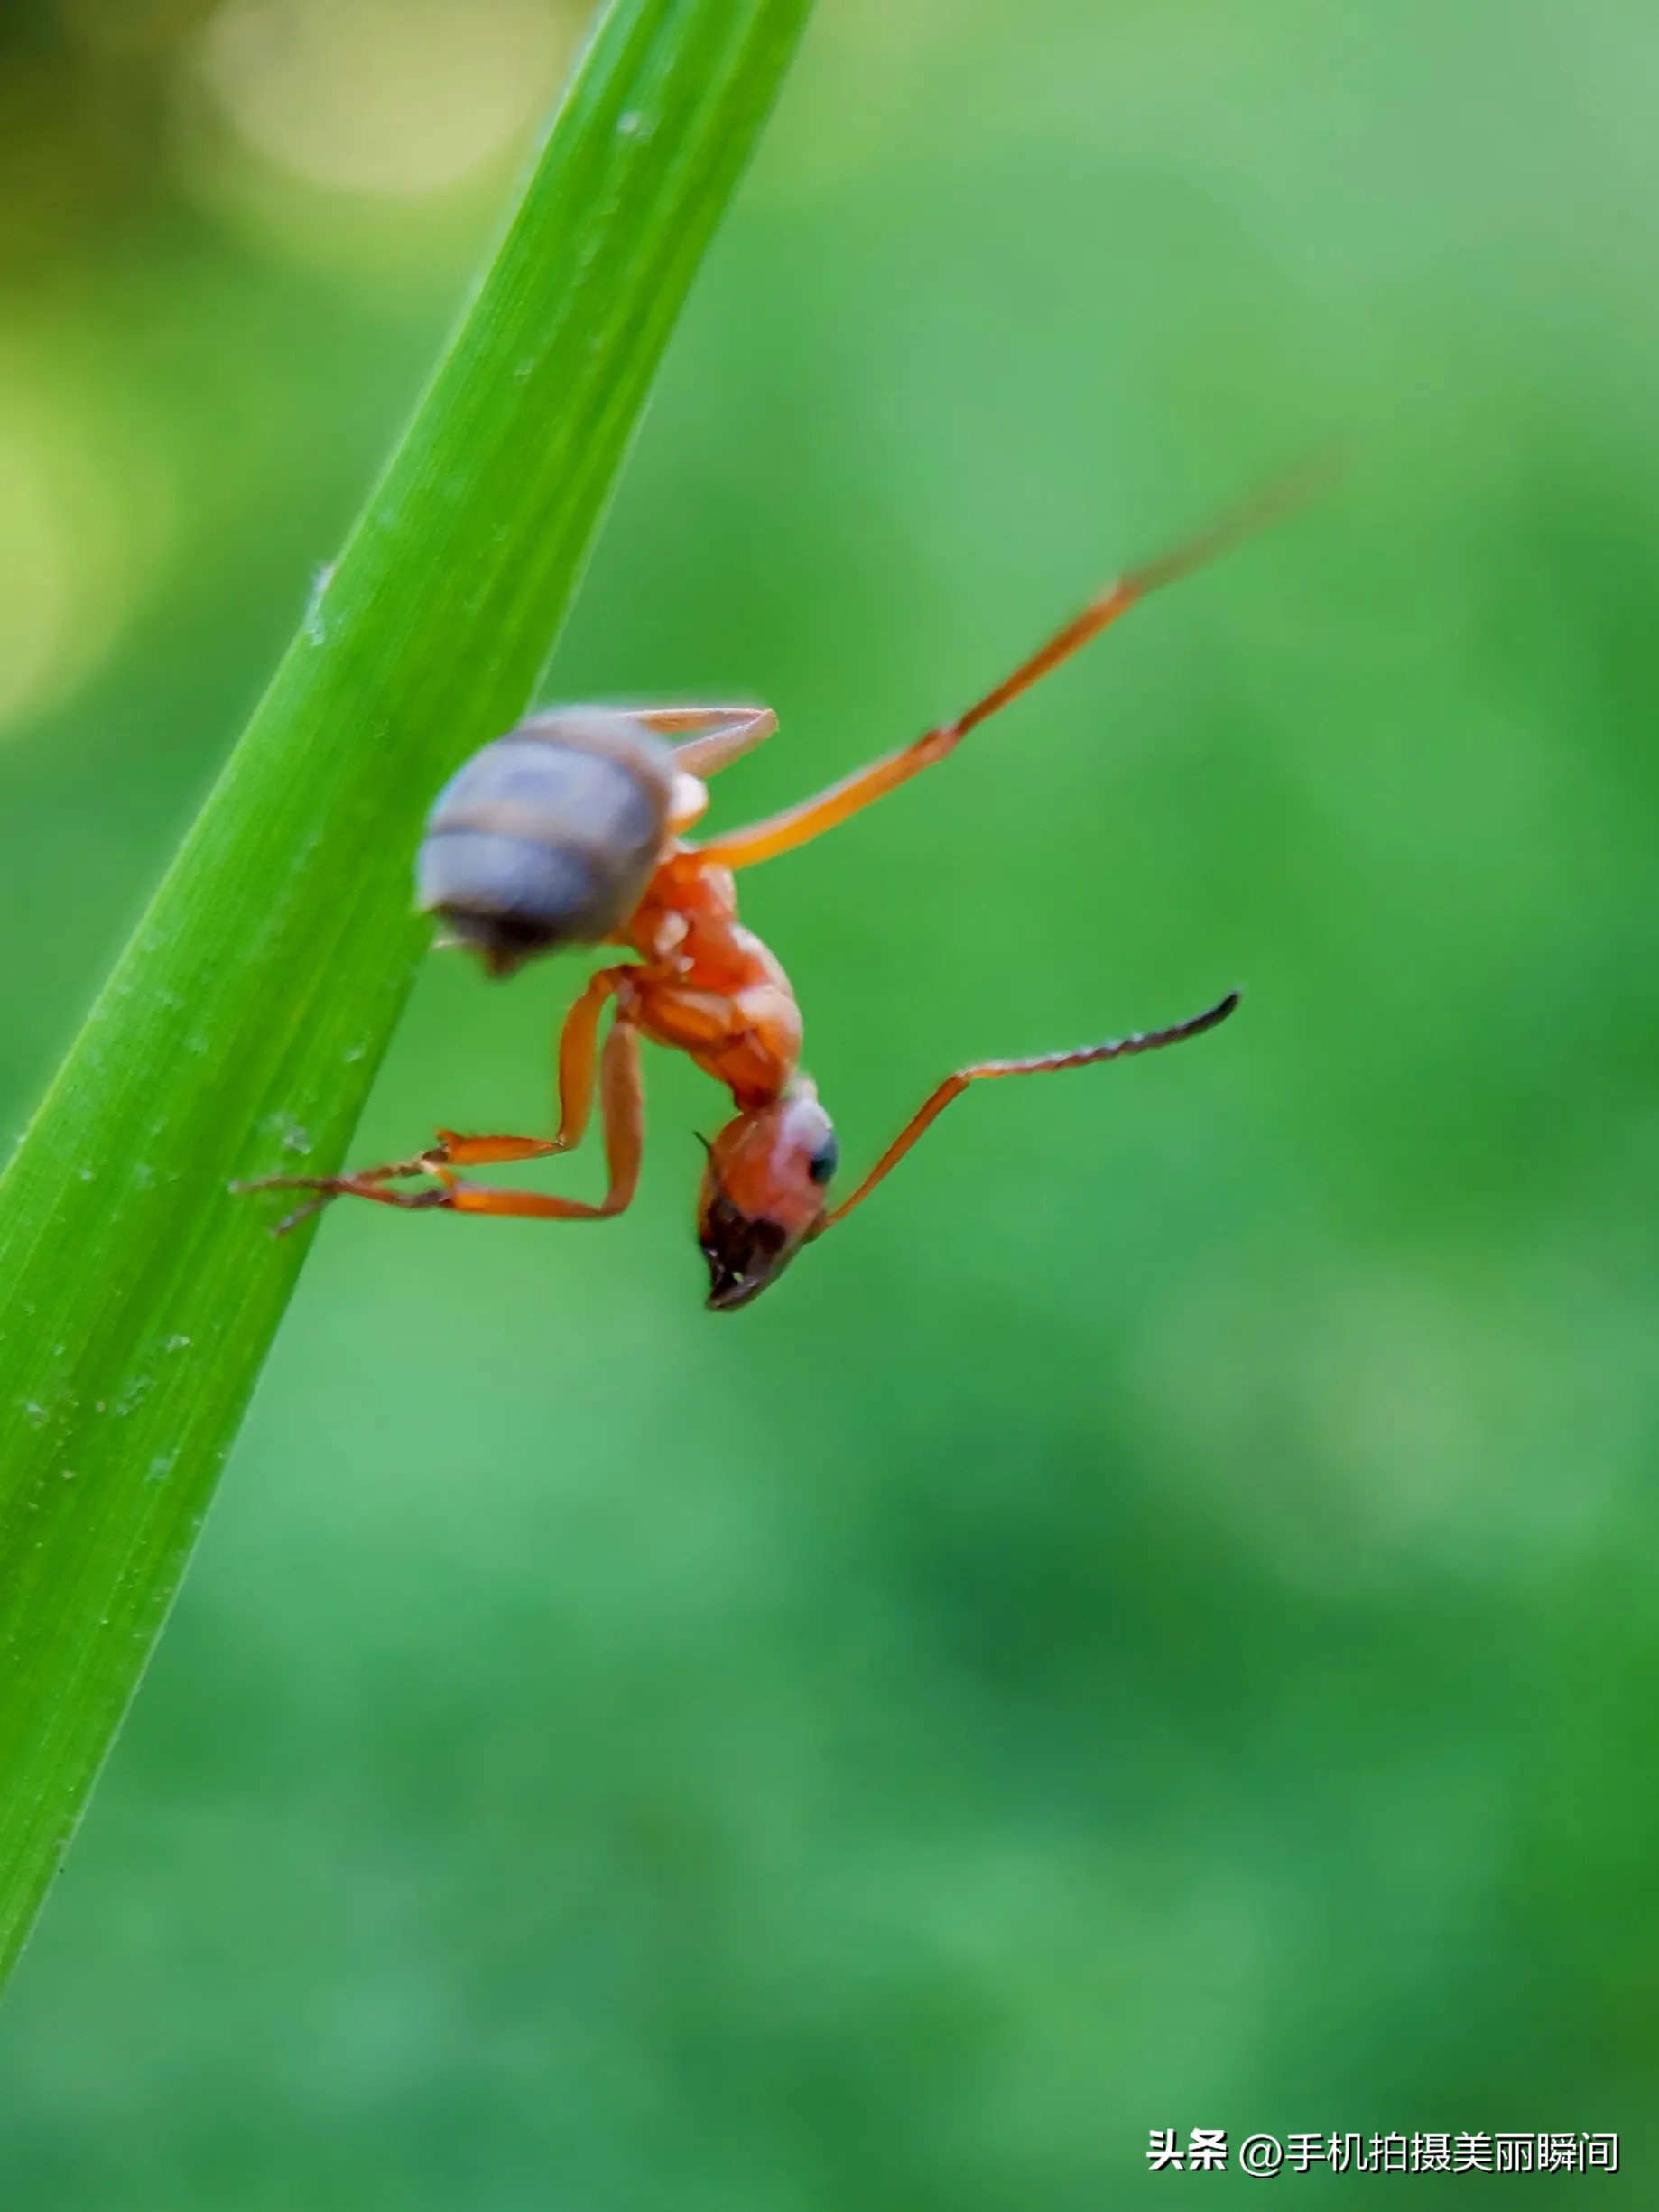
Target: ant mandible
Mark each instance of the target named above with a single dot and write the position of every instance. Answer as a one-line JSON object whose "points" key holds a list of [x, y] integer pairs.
{"points": [[570, 830]]}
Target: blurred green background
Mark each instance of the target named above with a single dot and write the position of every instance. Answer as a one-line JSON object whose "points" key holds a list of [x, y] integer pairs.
{"points": [[1154, 1625]]}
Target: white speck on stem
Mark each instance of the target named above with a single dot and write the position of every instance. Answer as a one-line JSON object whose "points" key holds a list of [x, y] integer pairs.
{"points": [[177, 1344], [314, 625], [135, 1391]]}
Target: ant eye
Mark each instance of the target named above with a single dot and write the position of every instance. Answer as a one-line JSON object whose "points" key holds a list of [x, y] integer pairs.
{"points": [[825, 1161]]}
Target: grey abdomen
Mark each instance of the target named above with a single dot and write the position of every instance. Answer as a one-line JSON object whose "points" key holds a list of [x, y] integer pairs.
{"points": [[549, 836]]}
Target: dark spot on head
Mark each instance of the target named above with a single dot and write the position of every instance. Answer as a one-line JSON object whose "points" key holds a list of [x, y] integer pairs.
{"points": [[825, 1161], [744, 1255]]}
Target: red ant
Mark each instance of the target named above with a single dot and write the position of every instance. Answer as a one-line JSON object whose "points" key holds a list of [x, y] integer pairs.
{"points": [[570, 829]]}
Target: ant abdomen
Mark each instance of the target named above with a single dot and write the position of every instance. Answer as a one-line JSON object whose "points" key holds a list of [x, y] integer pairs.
{"points": [[549, 836]]}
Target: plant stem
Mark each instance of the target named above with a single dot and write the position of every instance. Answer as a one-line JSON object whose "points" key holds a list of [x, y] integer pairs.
{"points": [[244, 1024]]}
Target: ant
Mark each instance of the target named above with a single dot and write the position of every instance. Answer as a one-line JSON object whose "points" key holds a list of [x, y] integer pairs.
{"points": [[572, 831]]}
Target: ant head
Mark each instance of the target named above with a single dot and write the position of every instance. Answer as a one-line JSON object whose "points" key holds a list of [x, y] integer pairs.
{"points": [[764, 1194]]}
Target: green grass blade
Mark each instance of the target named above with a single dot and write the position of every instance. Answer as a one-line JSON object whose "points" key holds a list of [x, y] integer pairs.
{"points": [[248, 1016]]}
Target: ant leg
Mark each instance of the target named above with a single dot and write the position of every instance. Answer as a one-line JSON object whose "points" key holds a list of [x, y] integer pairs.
{"points": [[781, 833], [717, 735], [953, 1085], [724, 734], [728, 733], [622, 1112], [365, 1184], [577, 1057]]}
